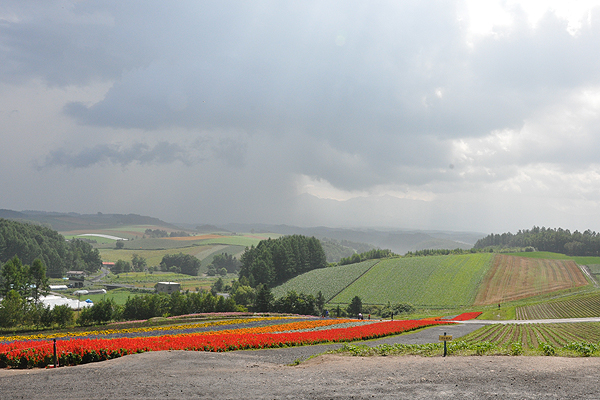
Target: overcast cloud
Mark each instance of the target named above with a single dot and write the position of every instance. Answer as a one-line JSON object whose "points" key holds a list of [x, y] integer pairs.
{"points": [[412, 114]]}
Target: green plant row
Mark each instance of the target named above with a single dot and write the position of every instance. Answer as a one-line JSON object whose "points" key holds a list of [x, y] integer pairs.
{"points": [[581, 307], [464, 348]]}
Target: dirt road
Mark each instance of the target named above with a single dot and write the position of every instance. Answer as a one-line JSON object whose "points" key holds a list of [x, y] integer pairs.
{"points": [[180, 374]]}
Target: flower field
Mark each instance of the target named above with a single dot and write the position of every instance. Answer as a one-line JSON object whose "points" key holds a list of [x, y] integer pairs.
{"points": [[226, 335]]}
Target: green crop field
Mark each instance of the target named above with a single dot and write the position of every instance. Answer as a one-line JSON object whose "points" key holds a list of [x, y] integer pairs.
{"points": [[434, 281], [532, 335], [118, 295], [578, 307], [330, 281]]}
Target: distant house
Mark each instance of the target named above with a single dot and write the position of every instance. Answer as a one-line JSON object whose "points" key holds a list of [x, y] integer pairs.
{"points": [[108, 265], [76, 278], [168, 287]]}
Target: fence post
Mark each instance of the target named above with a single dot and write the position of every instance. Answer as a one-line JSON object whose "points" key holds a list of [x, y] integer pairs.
{"points": [[55, 359], [445, 348]]}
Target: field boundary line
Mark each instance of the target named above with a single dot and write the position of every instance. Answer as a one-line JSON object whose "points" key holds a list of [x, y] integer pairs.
{"points": [[357, 278], [586, 271]]}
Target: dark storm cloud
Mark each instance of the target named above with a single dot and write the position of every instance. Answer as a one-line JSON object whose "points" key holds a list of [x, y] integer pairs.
{"points": [[359, 94], [161, 153]]}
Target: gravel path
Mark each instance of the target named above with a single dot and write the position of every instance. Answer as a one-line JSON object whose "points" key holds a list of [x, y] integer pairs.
{"points": [[234, 375]]}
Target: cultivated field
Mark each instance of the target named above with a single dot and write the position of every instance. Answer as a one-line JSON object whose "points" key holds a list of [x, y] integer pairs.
{"points": [[513, 278], [437, 281], [532, 335], [330, 281], [579, 307]]}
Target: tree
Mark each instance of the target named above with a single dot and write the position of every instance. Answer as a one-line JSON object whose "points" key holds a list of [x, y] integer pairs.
{"points": [[320, 302], [243, 295], [119, 244], [264, 299], [184, 263], [38, 280], [217, 287], [355, 306], [15, 277], [62, 315], [12, 309], [138, 263], [121, 266]]}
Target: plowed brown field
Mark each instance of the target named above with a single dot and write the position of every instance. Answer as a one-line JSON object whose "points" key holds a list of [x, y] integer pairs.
{"points": [[513, 278]]}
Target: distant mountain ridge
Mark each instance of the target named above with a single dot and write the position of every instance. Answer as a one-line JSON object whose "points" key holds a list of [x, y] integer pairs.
{"points": [[73, 221], [399, 241]]}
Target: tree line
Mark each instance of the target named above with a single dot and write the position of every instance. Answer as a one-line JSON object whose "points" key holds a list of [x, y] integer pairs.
{"points": [[274, 261], [558, 240], [30, 242], [368, 255], [21, 287]]}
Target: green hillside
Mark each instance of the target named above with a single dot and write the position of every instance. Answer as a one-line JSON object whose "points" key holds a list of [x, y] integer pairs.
{"points": [[330, 281], [435, 281]]}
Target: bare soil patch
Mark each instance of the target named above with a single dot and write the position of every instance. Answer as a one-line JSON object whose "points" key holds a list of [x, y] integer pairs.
{"points": [[513, 278]]}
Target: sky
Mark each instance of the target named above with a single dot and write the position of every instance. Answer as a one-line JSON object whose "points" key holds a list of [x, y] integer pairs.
{"points": [[443, 115]]}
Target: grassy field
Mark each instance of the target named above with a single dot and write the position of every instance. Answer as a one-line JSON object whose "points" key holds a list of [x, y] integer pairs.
{"points": [[512, 278], [118, 295], [330, 281], [434, 281]]}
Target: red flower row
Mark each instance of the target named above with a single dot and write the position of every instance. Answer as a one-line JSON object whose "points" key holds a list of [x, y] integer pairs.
{"points": [[466, 316], [79, 351]]}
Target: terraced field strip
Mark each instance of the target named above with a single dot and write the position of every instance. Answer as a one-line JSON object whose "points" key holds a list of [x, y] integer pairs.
{"points": [[513, 278], [532, 335], [440, 281], [330, 281], [153, 257], [581, 307]]}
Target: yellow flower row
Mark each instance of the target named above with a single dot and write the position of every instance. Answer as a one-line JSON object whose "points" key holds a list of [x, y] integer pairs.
{"points": [[292, 326], [134, 330]]}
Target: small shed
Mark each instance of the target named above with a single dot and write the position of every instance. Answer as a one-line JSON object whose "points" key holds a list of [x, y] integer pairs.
{"points": [[168, 287]]}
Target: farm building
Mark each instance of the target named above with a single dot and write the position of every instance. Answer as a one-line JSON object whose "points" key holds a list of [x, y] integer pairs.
{"points": [[76, 278], [168, 287]]}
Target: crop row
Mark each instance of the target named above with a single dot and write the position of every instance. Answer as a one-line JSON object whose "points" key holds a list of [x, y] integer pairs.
{"points": [[78, 351], [513, 278], [532, 335], [447, 281], [574, 308]]}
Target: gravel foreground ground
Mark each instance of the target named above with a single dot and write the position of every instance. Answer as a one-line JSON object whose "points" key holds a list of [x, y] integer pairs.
{"points": [[185, 375], [265, 374]]}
